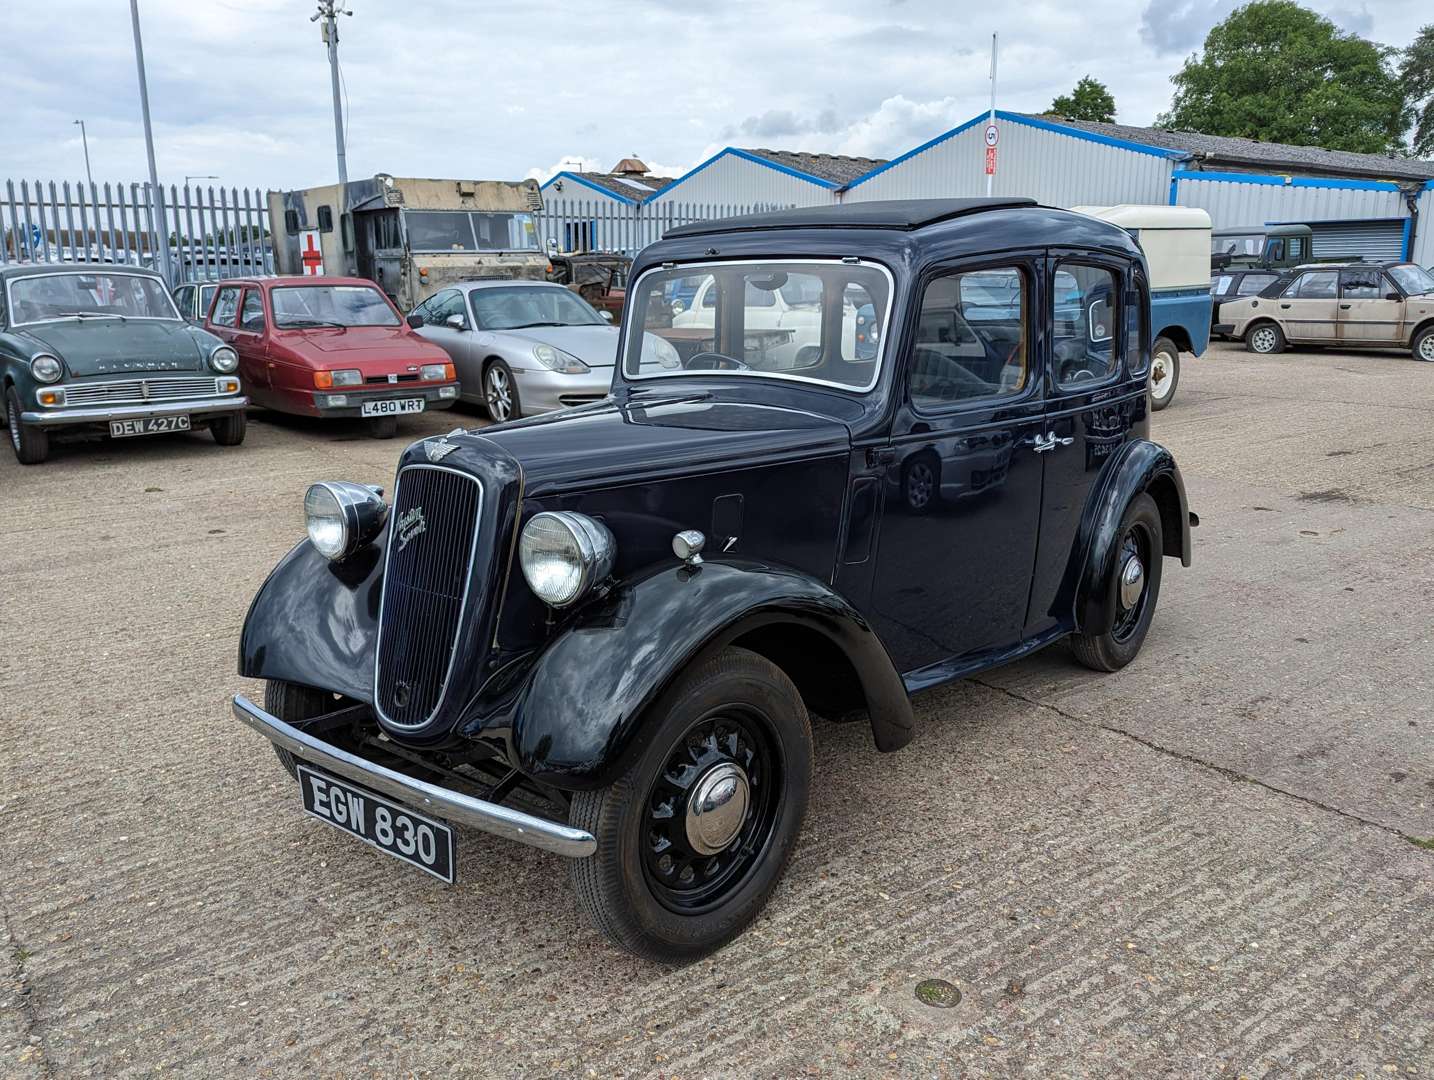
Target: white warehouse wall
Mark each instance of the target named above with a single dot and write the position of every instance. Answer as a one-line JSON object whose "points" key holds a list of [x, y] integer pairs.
{"points": [[1032, 159], [731, 180]]}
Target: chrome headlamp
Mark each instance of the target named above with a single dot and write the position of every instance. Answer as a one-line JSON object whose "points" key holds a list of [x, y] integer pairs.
{"points": [[46, 368], [563, 555], [342, 517], [224, 360]]}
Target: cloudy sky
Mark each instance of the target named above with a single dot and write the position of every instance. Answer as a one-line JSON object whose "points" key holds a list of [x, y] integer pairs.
{"points": [[489, 90]]}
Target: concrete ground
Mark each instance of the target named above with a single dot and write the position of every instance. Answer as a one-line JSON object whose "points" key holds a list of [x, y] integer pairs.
{"points": [[1205, 865]]}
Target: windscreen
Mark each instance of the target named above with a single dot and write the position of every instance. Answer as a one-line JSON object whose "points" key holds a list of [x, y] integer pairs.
{"points": [[1413, 279], [516, 307], [89, 296], [461, 230], [814, 321], [299, 306]]}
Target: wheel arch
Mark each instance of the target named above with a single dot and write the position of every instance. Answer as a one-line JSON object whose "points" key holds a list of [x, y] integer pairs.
{"points": [[1419, 328], [1178, 336]]}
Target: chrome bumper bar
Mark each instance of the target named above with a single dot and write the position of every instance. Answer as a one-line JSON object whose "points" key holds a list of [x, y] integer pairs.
{"points": [[455, 806], [61, 415]]}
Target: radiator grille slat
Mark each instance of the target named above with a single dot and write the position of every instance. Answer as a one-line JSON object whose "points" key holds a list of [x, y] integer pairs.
{"points": [[425, 590], [138, 391]]}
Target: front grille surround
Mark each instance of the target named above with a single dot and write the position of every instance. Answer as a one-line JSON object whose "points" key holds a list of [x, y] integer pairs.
{"points": [[424, 605], [141, 391]]}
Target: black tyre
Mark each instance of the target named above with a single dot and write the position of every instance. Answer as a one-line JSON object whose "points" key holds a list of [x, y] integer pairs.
{"points": [[382, 427], [921, 483], [292, 704], [693, 838], [31, 444], [228, 430], [500, 392], [1164, 373], [1265, 338], [1422, 347], [1132, 586]]}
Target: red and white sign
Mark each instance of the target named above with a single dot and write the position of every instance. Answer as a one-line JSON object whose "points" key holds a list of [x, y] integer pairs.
{"points": [[310, 253], [990, 161], [993, 136]]}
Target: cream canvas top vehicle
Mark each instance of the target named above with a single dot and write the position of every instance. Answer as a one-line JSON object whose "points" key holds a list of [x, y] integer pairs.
{"points": [[1352, 305]]}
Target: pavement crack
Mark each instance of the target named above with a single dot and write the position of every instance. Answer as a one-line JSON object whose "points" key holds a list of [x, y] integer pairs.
{"points": [[1199, 762], [31, 1050]]}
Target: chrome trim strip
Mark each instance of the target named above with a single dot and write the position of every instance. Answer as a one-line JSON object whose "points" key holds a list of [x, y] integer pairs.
{"points": [[62, 414], [462, 606], [453, 805]]}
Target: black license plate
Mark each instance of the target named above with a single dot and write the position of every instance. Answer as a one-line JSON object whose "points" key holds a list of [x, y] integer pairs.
{"points": [[389, 826], [149, 425]]}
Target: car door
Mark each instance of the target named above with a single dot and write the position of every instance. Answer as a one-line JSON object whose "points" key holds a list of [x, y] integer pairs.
{"points": [[184, 300], [436, 311], [1095, 392], [957, 537], [1366, 314], [1308, 311], [251, 338]]}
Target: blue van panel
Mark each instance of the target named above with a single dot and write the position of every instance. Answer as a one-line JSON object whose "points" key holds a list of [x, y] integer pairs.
{"points": [[1188, 309]]}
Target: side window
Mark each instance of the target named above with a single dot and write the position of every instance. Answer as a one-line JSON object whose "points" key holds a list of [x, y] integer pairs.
{"points": [[1297, 248], [447, 305], [1251, 284], [1318, 285], [226, 307], [252, 317], [291, 222], [971, 338], [1084, 343], [326, 219], [1275, 251], [183, 297], [1136, 334], [1360, 285], [1221, 285]]}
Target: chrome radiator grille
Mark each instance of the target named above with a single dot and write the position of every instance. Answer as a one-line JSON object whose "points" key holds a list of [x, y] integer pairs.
{"points": [[138, 391], [432, 535]]}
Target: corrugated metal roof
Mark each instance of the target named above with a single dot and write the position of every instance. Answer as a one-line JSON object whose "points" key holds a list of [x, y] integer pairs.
{"points": [[1251, 152], [836, 168], [626, 185]]}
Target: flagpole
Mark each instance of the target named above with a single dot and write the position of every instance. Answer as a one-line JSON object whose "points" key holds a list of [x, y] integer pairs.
{"points": [[991, 118]]}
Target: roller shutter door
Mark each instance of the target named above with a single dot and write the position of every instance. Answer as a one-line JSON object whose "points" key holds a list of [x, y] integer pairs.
{"points": [[1373, 241]]}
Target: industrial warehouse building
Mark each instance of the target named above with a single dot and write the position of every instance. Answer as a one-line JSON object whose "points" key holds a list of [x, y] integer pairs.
{"points": [[1359, 205]]}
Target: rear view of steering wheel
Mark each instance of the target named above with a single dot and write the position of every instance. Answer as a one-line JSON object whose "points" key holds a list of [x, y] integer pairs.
{"points": [[711, 361]]}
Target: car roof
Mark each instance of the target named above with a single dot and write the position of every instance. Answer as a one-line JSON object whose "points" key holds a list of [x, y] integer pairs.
{"points": [[905, 215], [292, 279], [26, 269], [495, 282]]}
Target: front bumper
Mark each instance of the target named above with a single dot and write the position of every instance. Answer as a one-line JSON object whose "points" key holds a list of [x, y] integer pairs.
{"points": [[455, 806], [543, 390], [435, 396], [61, 415]]}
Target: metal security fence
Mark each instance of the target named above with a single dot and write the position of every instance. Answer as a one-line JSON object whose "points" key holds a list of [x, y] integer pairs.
{"points": [[209, 233], [575, 225]]}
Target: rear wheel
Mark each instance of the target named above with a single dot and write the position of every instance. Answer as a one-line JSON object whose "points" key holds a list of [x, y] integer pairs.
{"points": [[30, 443], [228, 430], [693, 838], [383, 427], [1132, 588], [921, 483], [1164, 373], [1265, 338], [1422, 348], [294, 704]]}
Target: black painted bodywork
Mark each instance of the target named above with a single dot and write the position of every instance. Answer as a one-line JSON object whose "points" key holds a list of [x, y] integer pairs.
{"points": [[811, 558]]}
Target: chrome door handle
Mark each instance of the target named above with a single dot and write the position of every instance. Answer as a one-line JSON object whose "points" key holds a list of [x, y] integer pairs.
{"points": [[1049, 441]]}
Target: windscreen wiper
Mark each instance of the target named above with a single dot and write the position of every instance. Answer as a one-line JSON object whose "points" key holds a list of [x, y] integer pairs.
{"points": [[90, 315]]}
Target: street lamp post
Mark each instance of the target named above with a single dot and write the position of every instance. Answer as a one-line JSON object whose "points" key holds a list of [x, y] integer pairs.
{"points": [[329, 11], [85, 141], [157, 217]]}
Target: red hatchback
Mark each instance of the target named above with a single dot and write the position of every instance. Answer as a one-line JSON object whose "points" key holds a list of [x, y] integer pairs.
{"points": [[330, 346]]}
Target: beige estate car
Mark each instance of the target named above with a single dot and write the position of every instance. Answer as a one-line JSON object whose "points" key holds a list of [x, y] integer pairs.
{"points": [[1350, 305]]}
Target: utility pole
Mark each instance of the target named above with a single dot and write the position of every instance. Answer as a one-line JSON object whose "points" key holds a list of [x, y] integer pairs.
{"points": [[85, 140], [329, 11], [157, 218], [991, 118]]}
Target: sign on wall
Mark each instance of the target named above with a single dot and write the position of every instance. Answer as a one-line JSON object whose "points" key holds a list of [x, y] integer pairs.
{"points": [[310, 252], [993, 136]]}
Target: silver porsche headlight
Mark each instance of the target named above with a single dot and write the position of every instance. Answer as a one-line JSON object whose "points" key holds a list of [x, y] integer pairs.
{"points": [[342, 517], [46, 368], [224, 360], [563, 555], [559, 361]]}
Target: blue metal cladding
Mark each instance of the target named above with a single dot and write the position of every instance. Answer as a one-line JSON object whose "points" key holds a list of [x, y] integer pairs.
{"points": [[1188, 309]]}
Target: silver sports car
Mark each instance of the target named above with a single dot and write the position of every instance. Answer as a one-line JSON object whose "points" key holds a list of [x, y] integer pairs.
{"points": [[523, 347]]}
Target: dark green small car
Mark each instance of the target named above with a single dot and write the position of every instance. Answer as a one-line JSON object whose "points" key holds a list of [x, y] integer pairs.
{"points": [[103, 347]]}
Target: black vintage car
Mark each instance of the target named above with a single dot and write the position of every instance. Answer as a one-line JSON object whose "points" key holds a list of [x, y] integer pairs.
{"points": [[604, 631], [101, 348]]}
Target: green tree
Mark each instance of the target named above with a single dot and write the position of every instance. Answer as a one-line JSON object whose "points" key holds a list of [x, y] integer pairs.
{"points": [[1090, 100], [1280, 73], [1417, 74]]}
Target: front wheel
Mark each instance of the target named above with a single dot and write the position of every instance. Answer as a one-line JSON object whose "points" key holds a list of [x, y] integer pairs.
{"points": [[1164, 373], [693, 838], [500, 392], [294, 704], [1132, 586], [30, 443], [228, 430]]}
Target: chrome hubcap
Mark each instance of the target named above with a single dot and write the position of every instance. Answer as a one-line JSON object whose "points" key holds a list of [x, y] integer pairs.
{"points": [[1264, 339], [500, 395], [717, 808], [1160, 375], [1426, 348], [1132, 582]]}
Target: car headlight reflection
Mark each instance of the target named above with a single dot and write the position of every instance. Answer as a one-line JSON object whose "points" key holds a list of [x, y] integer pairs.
{"points": [[563, 554], [342, 517]]}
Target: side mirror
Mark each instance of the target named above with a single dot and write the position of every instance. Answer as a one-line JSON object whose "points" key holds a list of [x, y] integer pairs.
{"points": [[414, 320], [607, 315], [455, 322], [1393, 296]]}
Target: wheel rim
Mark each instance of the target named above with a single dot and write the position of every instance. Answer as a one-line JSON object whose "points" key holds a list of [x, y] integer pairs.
{"points": [[1426, 348], [1161, 372], [920, 483], [1263, 339], [500, 393], [12, 418], [712, 810], [1132, 591]]}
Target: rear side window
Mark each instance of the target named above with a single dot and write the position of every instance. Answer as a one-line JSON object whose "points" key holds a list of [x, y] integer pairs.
{"points": [[971, 339], [226, 307], [1319, 285], [1135, 333], [1084, 343], [1221, 285], [1250, 284]]}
